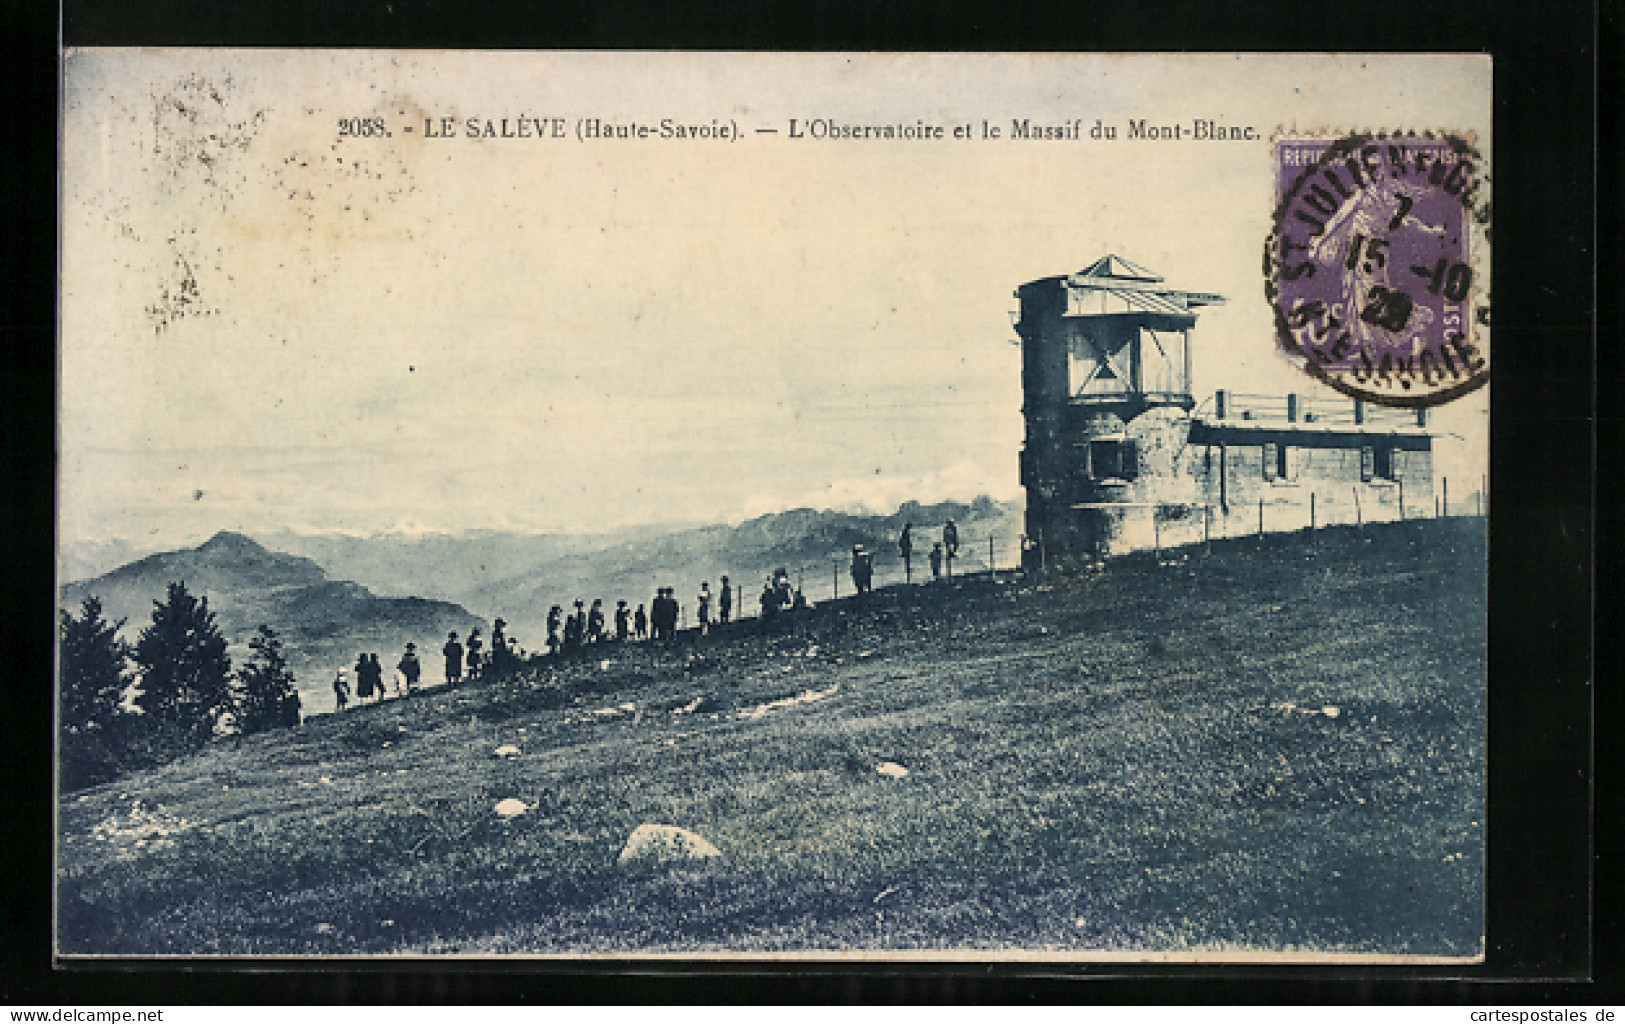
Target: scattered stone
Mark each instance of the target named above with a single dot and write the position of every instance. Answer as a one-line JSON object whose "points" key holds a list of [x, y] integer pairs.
{"points": [[324, 929], [892, 770], [511, 808], [1330, 711], [603, 666], [661, 844], [506, 750]]}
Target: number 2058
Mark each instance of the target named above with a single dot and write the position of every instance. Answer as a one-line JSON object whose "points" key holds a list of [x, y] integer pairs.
{"points": [[362, 127]]}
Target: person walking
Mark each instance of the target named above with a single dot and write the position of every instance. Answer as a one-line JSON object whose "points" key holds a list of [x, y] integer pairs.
{"points": [[376, 670], [409, 667], [622, 619], [950, 544], [704, 600], [936, 561], [595, 621], [363, 679], [341, 690], [770, 601], [454, 659], [640, 623], [725, 603], [905, 546], [863, 569], [555, 615], [474, 657], [498, 658]]}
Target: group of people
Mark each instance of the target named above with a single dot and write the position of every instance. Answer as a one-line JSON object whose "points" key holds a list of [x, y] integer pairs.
{"points": [[369, 678], [945, 550], [469, 660]]}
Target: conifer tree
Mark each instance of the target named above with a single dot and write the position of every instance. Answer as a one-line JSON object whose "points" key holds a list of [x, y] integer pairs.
{"points": [[185, 674], [93, 673], [265, 691]]}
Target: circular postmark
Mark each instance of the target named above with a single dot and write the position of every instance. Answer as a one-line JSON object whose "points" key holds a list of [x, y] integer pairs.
{"points": [[1377, 267]]}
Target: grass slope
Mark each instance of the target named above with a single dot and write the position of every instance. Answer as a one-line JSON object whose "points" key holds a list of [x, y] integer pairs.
{"points": [[1275, 745]]}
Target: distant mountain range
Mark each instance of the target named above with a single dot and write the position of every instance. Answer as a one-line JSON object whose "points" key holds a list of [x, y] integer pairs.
{"points": [[324, 622], [518, 576], [418, 588]]}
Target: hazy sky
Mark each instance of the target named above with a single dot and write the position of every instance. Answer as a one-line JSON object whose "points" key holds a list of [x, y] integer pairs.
{"points": [[267, 326]]}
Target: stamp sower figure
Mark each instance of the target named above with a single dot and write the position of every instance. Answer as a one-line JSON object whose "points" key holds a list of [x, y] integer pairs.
{"points": [[950, 544], [705, 606], [475, 645], [936, 561], [622, 617], [640, 622], [409, 667], [555, 615], [341, 690], [725, 603], [454, 659], [595, 621], [905, 547]]}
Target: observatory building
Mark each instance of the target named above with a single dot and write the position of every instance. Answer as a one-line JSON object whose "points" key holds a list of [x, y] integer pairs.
{"points": [[1119, 455]]}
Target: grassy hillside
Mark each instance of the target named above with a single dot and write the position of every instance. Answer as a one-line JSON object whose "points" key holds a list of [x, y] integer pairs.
{"points": [[1275, 745]]}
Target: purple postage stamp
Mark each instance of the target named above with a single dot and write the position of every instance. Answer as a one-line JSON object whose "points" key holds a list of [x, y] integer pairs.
{"points": [[1377, 266]]}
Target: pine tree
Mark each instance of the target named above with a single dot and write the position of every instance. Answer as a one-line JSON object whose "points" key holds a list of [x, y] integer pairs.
{"points": [[185, 674], [265, 691], [93, 669]]}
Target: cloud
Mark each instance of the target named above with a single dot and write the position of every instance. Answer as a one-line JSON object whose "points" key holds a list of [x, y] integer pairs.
{"points": [[880, 494]]}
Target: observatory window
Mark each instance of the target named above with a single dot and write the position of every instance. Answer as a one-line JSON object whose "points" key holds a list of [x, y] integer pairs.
{"points": [[1272, 460], [1283, 461], [1382, 464], [1368, 463], [1115, 458]]}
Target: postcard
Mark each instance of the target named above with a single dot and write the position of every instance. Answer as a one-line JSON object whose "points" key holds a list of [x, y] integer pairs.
{"points": [[773, 505]]}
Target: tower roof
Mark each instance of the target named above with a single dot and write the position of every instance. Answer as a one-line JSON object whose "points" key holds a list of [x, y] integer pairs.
{"points": [[1116, 267]]}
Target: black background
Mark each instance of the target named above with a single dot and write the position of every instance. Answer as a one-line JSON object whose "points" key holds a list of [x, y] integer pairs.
{"points": [[1552, 938]]}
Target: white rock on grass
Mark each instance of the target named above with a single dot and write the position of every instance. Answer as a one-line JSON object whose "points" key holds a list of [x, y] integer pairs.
{"points": [[506, 750], [891, 769], [1330, 711], [662, 844], [511, 808]]}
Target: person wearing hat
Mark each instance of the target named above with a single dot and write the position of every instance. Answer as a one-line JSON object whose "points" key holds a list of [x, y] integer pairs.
{"points": [[936, 560], [725, 603], [454, 659], [595, 621], [498, 659], [705, 607], [950, 544], [622, 619], [863, 569], [555, 616], [905, 547], [409, 667], [341, 690], [640, 622]]}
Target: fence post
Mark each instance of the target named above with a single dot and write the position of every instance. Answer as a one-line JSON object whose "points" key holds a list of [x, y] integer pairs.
{"points": [[836, 566], [1207, 525], [1401, 482], [1311, 511], [1359, 519], [1483, 492], [1446, 499], [990, 556], [1261, 517]]}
